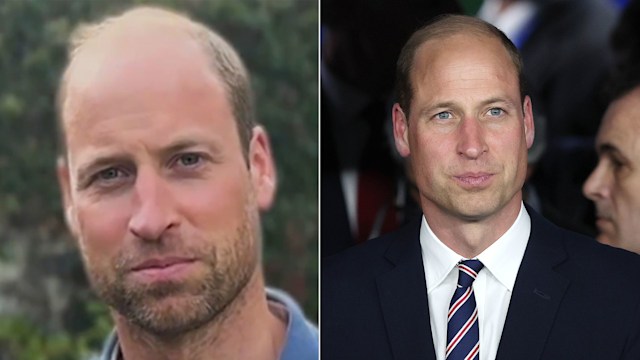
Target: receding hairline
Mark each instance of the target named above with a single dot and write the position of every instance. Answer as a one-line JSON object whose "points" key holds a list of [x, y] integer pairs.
{"points": [[223, 60], [444, 37], [439, 29]]}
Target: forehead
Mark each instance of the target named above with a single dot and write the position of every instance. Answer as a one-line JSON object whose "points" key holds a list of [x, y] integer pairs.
{"points": [[137, 65], [144, 83], [457, 58], [621, 122]]}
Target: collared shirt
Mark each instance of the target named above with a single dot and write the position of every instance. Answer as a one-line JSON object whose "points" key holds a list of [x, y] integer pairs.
{"points": [[492, 287], [301, 338]]}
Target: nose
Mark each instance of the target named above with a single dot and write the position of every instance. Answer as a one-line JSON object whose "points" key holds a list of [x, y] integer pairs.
{"points": [[471, 142], [597, 186], [154, 211]]}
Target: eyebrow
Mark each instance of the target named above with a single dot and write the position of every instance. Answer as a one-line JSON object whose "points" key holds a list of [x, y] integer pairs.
{"points": [[181, 145], [103, 161], [453, 105], [608, 148], [86, 171], [497, 100]]}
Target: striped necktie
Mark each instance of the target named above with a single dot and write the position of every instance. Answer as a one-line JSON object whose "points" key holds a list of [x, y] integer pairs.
{"points": [[463, 335]]}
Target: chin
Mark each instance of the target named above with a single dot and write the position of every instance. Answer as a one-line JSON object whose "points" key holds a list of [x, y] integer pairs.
{"points": [[173, 314], [477, 208], [606, 239]]}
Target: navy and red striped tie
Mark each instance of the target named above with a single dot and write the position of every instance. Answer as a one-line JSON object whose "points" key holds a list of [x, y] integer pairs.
{"points": [[463, 335]]}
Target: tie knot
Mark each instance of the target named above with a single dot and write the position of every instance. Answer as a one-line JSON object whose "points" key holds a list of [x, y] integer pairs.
{"points": [[468, 272]]}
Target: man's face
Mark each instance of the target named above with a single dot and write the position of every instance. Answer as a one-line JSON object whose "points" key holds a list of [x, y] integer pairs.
{"points": [[467, 137], [615, 183], [158, 191]]}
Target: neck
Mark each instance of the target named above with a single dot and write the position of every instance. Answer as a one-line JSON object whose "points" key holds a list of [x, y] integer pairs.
{"points": [[469, 238], [247, 329]]}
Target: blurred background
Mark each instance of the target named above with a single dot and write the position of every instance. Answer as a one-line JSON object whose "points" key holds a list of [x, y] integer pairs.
{"points": [[46, 308]]}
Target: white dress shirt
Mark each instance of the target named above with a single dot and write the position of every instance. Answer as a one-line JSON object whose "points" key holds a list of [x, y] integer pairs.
{"points": [[492, 287]]}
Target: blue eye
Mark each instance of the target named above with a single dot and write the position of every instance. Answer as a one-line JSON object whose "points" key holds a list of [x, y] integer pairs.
{"points": [[189, 159], [445, 115], [109, 174], [108, 178], [495, 112]]}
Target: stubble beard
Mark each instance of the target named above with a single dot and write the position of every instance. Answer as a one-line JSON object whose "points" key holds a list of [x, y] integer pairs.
{"points": [[171, 309]]}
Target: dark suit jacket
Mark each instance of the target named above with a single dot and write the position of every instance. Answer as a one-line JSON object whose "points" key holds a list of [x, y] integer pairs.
{"points": [[573, 299]]}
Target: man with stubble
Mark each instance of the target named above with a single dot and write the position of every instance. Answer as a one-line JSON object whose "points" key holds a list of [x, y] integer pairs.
{"points": [[164, 172]]}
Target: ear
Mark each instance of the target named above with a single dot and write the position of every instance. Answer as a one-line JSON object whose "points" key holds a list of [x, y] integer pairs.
{"points": [[263, 171], [62, 170], [529, 129], [401, 130]]}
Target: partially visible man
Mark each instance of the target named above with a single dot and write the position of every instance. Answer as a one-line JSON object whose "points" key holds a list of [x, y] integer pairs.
{"points": [[164, 173], [480, 275], [614, 185]]}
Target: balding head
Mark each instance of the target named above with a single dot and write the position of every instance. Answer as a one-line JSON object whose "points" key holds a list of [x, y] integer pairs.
{"points": [[157, 173], [114, 46], [441, 28]]}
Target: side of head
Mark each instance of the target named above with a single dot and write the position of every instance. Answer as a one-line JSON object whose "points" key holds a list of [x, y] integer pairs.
{"points": [[163, 170], [613, 185], [462, 117]]}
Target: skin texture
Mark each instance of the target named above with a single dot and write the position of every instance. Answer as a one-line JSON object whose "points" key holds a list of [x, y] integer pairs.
{"points": [[154, 176], [467, 139], [614, 183]]}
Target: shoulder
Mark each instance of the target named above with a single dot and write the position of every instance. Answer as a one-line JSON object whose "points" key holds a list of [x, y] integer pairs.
{"points": [[302, 335], [609, 265], [110, 348], [587, 275], [370, 258], [599, 264]]}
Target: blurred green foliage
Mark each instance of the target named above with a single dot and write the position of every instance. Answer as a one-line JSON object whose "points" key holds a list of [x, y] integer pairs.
{"points": [[470, 7], [27, 341], [278, 42]]}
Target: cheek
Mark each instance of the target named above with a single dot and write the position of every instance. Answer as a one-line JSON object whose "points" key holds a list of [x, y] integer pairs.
{"points": [[624, 190], [426, 156], [626, 198], [625, 202], [216, 204], [428, 144], [103, 228], [510, 147], [507, 139]]}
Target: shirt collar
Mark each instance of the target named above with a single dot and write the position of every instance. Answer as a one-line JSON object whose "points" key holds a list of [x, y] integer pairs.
{"points": [[502, 259], [301, 339]]}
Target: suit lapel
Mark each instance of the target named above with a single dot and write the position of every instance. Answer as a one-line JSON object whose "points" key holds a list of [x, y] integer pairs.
{"points": [[403, 298], [537, 294]]}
